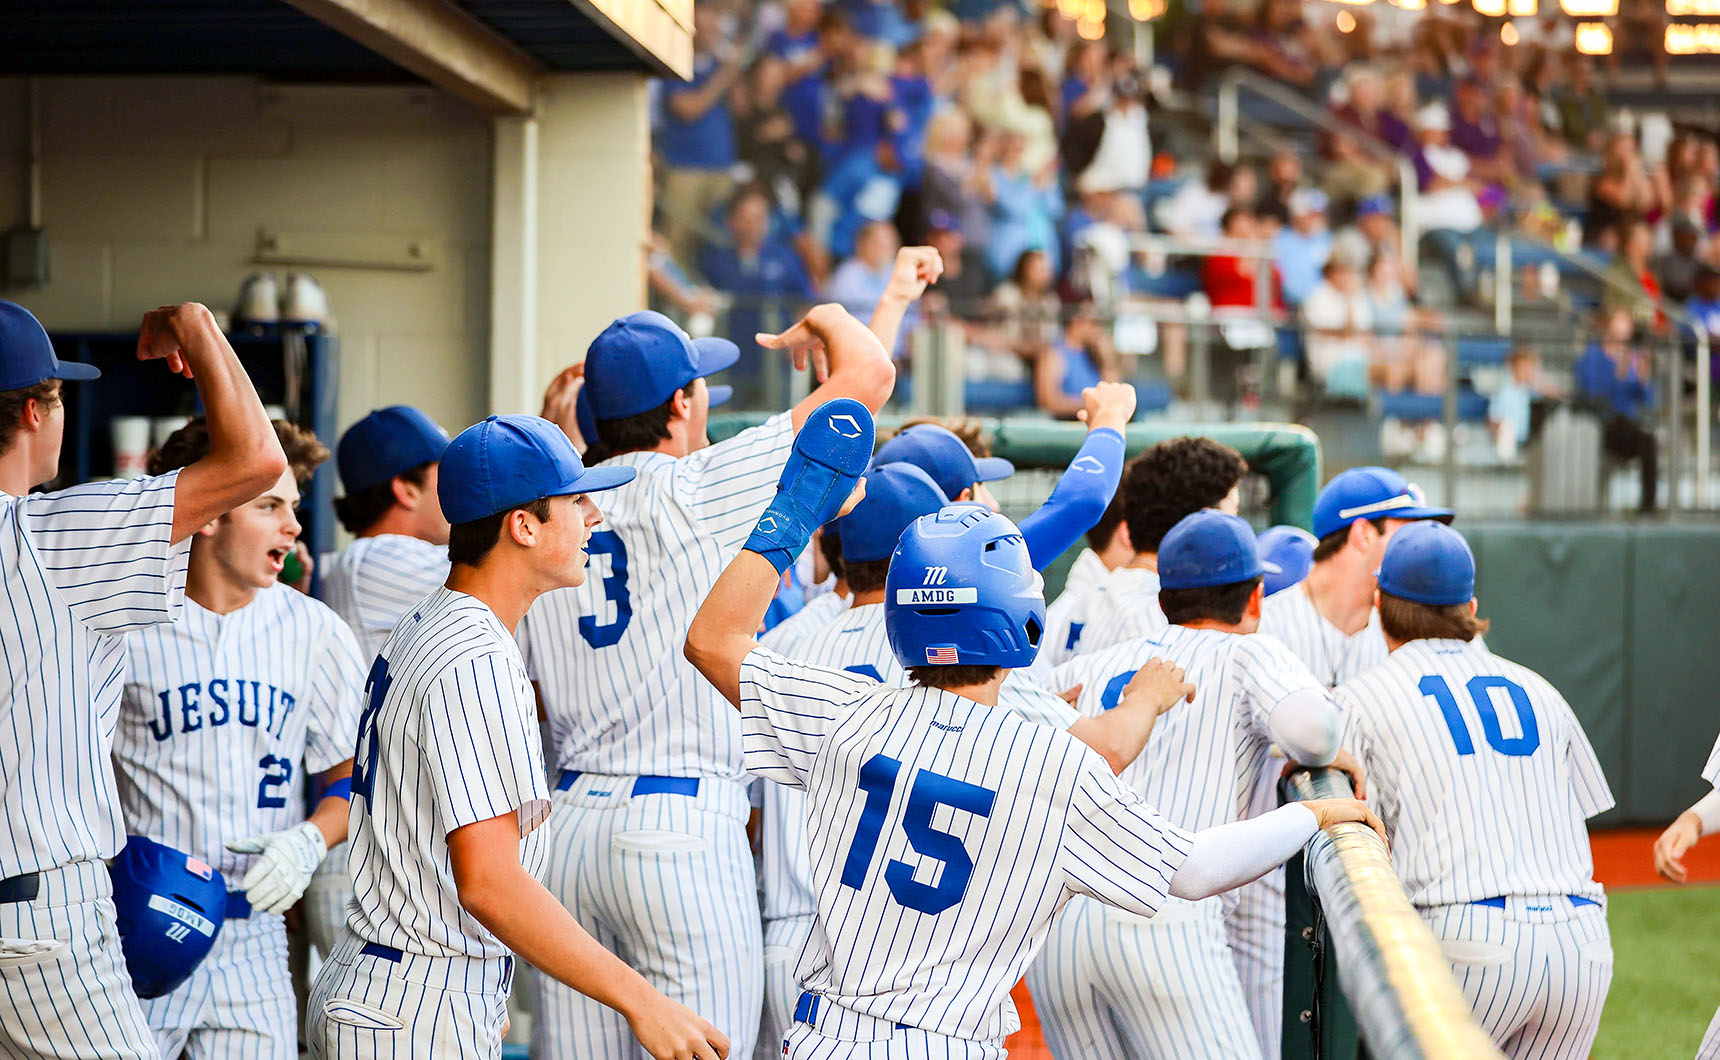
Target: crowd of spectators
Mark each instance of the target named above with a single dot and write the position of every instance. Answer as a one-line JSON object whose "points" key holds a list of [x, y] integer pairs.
{"points": [[816, 137]]}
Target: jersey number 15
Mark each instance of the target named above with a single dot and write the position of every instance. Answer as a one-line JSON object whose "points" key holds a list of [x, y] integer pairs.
{"points": [[878, 780]]}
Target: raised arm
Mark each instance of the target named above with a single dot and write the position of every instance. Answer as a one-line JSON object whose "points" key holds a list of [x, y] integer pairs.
{"points": [[849, 359], [245, 457], [1087, 486], [915, 268]]}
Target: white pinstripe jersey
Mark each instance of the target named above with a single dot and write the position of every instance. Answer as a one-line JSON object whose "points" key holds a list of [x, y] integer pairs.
{"points": [[223, 717], [1482, 774], [793, 631], [622, 699], [856, 641], [77, 569], [1125, 609], [1332, 655], [448, 738], [1711, 771], [944, 835], [1067, 616], [1201, 766], [371, 582]]}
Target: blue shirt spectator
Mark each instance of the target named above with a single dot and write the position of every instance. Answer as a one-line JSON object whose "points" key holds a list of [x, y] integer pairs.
{"points": [[1301, 250], [1024, 212], [706, 141], [763, 275], [860, 191], [859, 283], [1599, 378]]}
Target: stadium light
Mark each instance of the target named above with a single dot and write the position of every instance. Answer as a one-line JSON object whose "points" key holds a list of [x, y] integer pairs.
{"points": [[1699, 8], [1490, 8], [1087, 29], [1701, 38], [1522, 8], [1346, 22], [1591, 9], [1594, 38], [1508, 35], [1411, 5]]}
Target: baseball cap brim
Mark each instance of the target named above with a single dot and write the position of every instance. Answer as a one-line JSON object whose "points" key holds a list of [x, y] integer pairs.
{"points": [[711, 355], [1444, 515], [991, 468], [75, 371], [595, 480], [1269, 567], [719, 394]]}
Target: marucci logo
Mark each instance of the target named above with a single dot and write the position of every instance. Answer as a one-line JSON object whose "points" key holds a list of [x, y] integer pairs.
{"points": [[936, 575]]}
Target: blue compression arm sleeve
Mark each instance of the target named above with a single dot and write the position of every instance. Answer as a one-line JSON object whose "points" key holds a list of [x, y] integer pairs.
{"points": [[1079, 500]]}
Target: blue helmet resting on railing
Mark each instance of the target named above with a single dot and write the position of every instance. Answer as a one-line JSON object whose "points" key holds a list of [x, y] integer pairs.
{"points": [[962, 591]]}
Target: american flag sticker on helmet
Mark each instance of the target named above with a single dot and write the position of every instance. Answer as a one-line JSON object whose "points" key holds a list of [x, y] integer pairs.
{"points": [[201, 868], [942, 655]]}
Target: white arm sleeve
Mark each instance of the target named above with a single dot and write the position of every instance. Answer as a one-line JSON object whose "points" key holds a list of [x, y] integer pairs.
{"points": [[1306, 724], [1234, 854], [1707, 810]]}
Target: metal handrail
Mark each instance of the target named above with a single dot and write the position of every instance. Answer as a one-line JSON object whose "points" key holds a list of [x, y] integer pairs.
{"points": [[1390, 966], [1229, 116]]}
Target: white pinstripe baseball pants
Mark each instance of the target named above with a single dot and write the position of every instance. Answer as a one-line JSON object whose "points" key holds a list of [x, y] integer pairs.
{"points": [[1255, 928], [367, 1007], [784, 940], [1710, 1048], [325, 900], [841, 1034], [665, 882], [1111, 985], [238, 1003], [1536, 973], [73, 1000]]}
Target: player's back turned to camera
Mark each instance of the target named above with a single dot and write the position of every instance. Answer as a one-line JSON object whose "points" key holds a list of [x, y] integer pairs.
{"points": [[944, 831], [1487, 780]]}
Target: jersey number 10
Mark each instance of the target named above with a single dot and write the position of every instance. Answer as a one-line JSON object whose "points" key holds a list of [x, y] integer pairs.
{"points": [[1481, 694], [878, 780]]}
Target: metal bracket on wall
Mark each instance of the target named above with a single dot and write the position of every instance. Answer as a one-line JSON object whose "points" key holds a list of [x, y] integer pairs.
{"points": [[350, 250]]}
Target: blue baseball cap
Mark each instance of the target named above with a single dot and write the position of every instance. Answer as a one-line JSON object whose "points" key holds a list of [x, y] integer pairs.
{"points": [[588, 422], [1210, 548], [1370, 493], [1428, 563], [896, 495], [1291, 548], [507, 461], [642, 359], [26, 355], [385, 443], [939, 453], [1374, 204]]}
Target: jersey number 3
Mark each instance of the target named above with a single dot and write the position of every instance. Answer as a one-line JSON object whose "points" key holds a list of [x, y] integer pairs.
{"points": [[608, 579], [878, 780], [1481, 694], [364, 756]]}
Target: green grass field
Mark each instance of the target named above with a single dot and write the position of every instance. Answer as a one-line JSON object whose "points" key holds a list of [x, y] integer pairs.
{"points": [[1666, 973]]}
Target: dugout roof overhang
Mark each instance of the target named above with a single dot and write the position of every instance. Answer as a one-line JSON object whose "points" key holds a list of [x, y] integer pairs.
{"points": [[487, 52]]}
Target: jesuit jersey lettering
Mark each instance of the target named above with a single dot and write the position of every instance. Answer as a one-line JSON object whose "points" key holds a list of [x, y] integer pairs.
{"points": [[222, 701]]}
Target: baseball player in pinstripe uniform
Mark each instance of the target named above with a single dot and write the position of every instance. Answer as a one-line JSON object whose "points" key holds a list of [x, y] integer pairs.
{"points": [[648, 846], [448, 787], [1108, 983], [1328, 621], [227, 713], [943, 831], [1701, 819], [1108, 548], [1486, 779], [79, 568], [1168, 481], [398, 556]]}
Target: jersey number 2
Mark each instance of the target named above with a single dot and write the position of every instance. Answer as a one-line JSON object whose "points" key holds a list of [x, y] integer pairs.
{"points": [[878, 780], [608, 571], [364, 756], [273, 781], [1481, 694]]}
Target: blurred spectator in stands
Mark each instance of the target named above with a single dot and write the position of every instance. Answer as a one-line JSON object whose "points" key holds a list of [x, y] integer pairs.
{"points": [[964, 286], [912, 104], [1582, 107], [764, 276], [1301, 250], [1406, 355], [674, 293], [939, 36], [1547, 34], [1676, 266], [1641, 29], [1340, 325], [1230, 280], [1049, 42], [1124, 157], [1396, 119], [1704, 309], [1510, 411], [1196, 209], [1448, 196], [1526, 143], [1081, 357], [1615, 379], [1623, 188], [1353, 170], [859, 282], [1373, 234], [1631, 286], [955, 180], [1278, 44], [1283, 179], [764, 131], [1030, 115], [1026, 305], [1475, 132], [1024, 207], [696, 135], [805, 44], [1086, 88]]}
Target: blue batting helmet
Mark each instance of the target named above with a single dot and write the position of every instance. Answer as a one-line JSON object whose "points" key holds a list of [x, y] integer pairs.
{"points": [[170, 908], [962, 591], [1292, 548]]}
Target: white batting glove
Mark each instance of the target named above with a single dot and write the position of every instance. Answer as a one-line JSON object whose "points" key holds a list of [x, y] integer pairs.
{"points": [[283, 872]]}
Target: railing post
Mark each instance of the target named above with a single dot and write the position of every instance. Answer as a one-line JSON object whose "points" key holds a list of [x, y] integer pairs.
{"points": [[1409, 222], [1704, 415], [1449, 418], [1674, 462], [1503, 287], [1224, 130]]}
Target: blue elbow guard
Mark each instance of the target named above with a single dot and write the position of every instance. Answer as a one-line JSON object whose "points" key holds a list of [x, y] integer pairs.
{"points": [[340, 789], [830, 454]]}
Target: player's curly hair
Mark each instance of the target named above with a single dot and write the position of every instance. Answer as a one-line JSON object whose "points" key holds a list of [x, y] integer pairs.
{"points": [[1406, 620], [1173, 479], [359, 510], [1100, 533], [968, 429], [190, 444], [46, 393]]}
